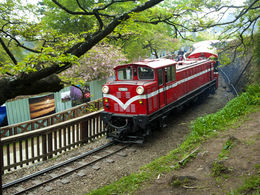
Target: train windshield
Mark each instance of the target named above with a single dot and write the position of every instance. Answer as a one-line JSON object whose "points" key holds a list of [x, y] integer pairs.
{"points": [[145, 73], [125, 74]]}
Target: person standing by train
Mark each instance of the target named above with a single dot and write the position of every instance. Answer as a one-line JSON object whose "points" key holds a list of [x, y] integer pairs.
{"points": [[180, 55]]}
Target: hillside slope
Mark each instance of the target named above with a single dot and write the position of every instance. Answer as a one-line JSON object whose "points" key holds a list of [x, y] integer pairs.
{"points": [[221, 165]]}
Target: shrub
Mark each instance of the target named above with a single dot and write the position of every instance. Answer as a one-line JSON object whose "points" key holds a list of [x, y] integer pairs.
{"points": [[238, 106]]}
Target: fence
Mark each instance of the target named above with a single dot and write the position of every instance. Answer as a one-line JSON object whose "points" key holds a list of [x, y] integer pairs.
{"points": [[232, 87], [50, 119], [39, 145], [59, 133]]}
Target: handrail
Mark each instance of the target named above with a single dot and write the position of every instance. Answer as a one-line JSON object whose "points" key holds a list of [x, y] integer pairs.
{"points": [[41, 144], [46, 129], [51, 115], [48, 120]]}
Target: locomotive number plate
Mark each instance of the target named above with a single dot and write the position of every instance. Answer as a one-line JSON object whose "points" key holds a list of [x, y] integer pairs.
{"points": [[122, 89]]}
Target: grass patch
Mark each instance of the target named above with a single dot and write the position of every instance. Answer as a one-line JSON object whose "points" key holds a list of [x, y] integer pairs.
{"points": [[126, 184], [201, 129], [250, 141], [251, 184], [218, 169], [230, 143], [180, 181]]}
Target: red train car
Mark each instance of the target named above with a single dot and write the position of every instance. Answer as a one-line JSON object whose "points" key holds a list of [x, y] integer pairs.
{"points": [[146, 91]]}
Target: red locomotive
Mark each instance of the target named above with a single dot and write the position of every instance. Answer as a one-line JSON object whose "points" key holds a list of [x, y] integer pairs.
{"points": [[146, 91]]}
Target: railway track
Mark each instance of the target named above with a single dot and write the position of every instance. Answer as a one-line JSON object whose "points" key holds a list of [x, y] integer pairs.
{"points": [[50, 174]]}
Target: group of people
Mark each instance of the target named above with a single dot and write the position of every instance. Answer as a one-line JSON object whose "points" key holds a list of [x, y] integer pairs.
{"points": [[183, 54]]}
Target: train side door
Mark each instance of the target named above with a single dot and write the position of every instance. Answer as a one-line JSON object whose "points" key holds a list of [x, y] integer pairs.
{"points": [[161, 87]]}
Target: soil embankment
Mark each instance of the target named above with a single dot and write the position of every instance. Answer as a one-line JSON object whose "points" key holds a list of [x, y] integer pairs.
{"points": [[214, 171]]}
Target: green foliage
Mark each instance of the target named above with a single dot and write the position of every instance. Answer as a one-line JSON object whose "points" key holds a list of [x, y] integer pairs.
{"points": [[176, 183], [218, 169], [241, 35], [226, 149], [145, 39], [48, 45], [142, 34], [205, 35], [205, 126], [180, 181], [13, 22], [124, 185], [257, 54], [31, 62], [62, 21]]}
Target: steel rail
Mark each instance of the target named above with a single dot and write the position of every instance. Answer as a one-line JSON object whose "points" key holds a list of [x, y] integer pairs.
{"points": [[73, 159], [71, 171]]}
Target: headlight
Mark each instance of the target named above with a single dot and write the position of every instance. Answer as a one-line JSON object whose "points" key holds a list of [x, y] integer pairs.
{"points": [[139, 90], [105, 89]]}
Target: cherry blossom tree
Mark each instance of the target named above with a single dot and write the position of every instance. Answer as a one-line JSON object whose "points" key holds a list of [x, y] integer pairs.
{"points": [[97, 64]]}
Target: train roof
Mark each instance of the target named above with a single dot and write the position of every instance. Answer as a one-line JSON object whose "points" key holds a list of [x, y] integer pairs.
{"points": [[203, 52], [156, 63], [159, 63], [204, 49], [152, 63]]}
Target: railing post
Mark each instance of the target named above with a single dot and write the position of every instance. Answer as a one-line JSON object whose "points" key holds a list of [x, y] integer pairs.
{"points": [[84, 131], [97, 105], [100, 104], [44, 147], [50, 145]]}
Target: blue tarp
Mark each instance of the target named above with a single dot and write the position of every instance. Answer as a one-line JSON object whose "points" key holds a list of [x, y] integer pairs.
{"points": [[2, 113]]}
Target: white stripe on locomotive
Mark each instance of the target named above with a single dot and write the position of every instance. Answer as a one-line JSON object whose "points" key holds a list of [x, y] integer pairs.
{"points": [[138, 97]]}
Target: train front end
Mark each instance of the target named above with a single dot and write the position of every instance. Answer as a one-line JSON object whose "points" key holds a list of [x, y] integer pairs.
{"points": [[125, 104]]}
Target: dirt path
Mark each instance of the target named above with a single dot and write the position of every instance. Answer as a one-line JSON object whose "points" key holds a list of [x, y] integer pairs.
{"points": [[240, 162], [160, 143]]}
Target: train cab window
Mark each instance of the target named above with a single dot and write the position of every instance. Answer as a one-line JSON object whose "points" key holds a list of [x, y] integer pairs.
{"points": [[145, 73], [170, 72], [125, 74], [160, 77]]}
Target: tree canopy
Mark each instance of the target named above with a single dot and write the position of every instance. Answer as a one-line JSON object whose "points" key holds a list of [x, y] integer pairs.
{"points": [[56, 34]]}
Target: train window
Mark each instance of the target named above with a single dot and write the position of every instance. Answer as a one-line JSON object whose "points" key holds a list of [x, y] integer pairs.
{"points": [[125, 74], [160, 77], [145, 73], [135, 73], [170, 73]]}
